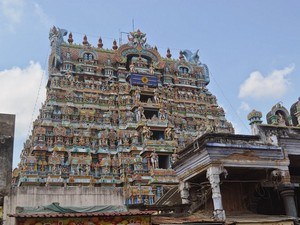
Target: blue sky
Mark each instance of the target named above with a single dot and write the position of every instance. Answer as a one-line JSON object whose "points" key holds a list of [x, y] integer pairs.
{"points": [[252, 47]]}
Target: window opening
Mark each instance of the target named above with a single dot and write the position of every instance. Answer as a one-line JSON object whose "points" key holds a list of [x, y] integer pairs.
{"points": [[146, 98], [157, 135], [149, 114], [164, 161], [183, 70], [88, 56]]}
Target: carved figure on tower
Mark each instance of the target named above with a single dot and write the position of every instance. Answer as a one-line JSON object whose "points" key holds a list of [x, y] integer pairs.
{"points": [[140, 113], [174, 157], [156, 96], [281, 120], [154, 160], [137, 95], [132, 68], [146, 132], [151, 69], [169, 133], [137, 38], [162, 114]]}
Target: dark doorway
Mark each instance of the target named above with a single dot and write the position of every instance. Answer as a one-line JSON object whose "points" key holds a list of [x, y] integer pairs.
{"points": [[157, 135], [150, 113], [164, 161]]}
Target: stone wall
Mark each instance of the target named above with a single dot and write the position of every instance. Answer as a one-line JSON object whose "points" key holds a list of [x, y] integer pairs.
{"points": [[7, 127], [66, 196]]}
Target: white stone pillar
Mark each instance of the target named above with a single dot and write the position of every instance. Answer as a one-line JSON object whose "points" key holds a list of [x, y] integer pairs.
{"points": [[212, 174], [184, 192]]}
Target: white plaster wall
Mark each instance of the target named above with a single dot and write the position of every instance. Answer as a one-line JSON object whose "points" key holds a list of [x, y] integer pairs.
{"points": [[66, 196]]}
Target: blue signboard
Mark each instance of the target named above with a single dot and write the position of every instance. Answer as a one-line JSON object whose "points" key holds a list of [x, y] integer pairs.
{"points": [[143, 79]]}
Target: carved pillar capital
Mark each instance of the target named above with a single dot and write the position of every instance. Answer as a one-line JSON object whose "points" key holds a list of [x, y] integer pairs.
{"points": [[215, 170], [184, 192], [286, 177], [283, 175]]}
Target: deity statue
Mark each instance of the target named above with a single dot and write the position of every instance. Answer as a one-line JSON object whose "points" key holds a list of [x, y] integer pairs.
{"points": [[154, 159], [137, 38], [132, 68], [126, 141], [137, 95], [175, 157], [129, 116], [151, 69], [140, 113], [104, 137], [162, 115], [146, 132], [81, 141], [281, 120], [112, 136], [168, 133], [115, 117], [69, 75], [156, 96], [209, 126], [88, 169]]}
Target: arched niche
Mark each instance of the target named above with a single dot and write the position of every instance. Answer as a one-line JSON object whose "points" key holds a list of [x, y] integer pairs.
{"points": [[139, 61], [88, 55], [279, 115], [126, 52]]}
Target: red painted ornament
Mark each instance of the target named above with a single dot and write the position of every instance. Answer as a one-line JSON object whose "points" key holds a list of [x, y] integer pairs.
{"points": [[168, 53], [85, 42], [70, 39], [115, 46], [100, 44]]}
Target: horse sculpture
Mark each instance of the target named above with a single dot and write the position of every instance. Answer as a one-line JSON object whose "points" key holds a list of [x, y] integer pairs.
{"points": [[194, 58], [56, 38]]}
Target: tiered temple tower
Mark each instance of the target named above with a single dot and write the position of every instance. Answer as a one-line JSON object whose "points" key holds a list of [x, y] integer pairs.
{"points": [[118, 117]]}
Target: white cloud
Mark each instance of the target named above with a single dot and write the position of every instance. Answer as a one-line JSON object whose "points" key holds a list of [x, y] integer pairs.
{"points": [[273, 85], [44, 19], [19, 89], [12, 11], [244, 106], [15, 12]]}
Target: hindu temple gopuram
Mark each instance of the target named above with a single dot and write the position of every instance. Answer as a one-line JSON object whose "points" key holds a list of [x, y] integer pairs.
{"points": [[127, 136], [117, 117]]}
